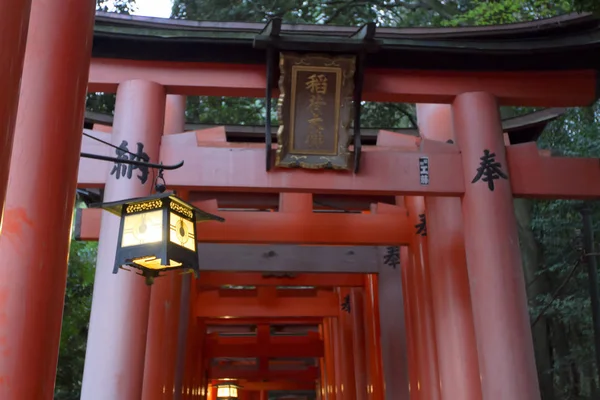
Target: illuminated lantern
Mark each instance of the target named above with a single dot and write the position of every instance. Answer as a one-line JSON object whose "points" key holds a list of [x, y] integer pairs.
{"points": [[157, 233], [227, 391]]}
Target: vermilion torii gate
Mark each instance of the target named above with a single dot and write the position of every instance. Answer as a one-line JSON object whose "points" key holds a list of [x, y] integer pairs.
{"points": [[457, 326]]}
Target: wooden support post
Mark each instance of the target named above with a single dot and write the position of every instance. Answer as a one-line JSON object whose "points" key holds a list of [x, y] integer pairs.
{"points": [[194, 360], [412, 333], [165, 296], [346, 345], [358, 340], [338, 358], [43, 177], [330, 373], [14, 21], [499, 302], [391, 314], [420, 262], [455, 334], [121, 301], [376, 383]]}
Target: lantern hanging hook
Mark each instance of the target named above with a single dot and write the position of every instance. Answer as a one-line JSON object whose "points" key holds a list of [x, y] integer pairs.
{"points": [[159, 183]]}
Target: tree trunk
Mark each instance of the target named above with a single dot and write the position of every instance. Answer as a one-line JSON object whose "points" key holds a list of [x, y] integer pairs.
{"points": [[536, 285]]}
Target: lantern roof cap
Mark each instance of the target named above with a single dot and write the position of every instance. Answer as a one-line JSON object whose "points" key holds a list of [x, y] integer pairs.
{"points": [[116, 207]]}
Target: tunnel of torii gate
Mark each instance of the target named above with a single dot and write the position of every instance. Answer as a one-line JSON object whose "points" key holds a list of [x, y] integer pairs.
{"points": [[397, 279]]}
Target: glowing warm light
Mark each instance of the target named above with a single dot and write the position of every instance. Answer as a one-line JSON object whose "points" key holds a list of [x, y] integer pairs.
{"points": [[181, 232], [142, 228], [227, 392]]}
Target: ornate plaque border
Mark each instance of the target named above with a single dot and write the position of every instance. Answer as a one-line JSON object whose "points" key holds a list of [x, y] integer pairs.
{"points": [[344, 67]]}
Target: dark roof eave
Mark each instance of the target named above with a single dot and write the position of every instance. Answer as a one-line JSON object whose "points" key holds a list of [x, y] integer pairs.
{"points": [[561, 43]]}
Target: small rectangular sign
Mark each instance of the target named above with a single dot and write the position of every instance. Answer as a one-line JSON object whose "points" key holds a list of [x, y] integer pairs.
{"points": [[424, 170]]}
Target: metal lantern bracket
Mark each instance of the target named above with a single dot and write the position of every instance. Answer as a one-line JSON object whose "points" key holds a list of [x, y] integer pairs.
{"points": [[360, 43], [125, 161]]}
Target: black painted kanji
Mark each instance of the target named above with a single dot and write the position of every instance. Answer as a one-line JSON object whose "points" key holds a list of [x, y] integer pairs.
{"points": [[392, 256], [489, 170], [346, 304], [422, 225], [126, 170]]}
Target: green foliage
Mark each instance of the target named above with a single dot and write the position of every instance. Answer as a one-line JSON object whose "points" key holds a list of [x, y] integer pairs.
{"points": [[556, 225], [587, 6], [335, 12], [76, 315], [482, 12], [119, 6]]}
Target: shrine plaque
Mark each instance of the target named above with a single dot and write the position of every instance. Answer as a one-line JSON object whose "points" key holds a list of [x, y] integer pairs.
{"points": [[315, 111]]}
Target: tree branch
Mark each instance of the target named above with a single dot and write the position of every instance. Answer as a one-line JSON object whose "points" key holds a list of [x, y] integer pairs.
{"points": [[556, 293]]}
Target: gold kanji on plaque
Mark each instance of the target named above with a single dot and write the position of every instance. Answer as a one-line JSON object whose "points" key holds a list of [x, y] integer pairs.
{"points": [[315, 111]]}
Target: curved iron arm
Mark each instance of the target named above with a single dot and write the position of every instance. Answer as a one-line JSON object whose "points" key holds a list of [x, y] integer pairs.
{"points": [[132, 162]]}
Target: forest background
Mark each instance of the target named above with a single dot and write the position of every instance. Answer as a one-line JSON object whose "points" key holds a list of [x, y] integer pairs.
{"points": [[549, 231]]}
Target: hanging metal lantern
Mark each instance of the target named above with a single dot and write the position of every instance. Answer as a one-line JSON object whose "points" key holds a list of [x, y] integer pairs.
{"points": [[157, 233], [227, 391]]}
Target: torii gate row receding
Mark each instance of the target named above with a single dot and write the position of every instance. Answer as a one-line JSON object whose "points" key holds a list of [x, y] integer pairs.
{"points": [[458, 330]]}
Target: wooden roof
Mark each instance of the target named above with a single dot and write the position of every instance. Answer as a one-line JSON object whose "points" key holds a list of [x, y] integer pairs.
{"points": [[565, 42]]}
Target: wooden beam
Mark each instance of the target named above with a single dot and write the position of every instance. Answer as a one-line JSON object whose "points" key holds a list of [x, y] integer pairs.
{"points": [[210, 304], [280, 228], [307, 375], [277, 385], [528, 88], [384, 171], [535, 175], [217, 279], [258, 321], [240, 167], [271, 350]]}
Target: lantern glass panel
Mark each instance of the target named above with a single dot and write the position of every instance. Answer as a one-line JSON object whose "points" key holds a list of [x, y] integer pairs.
{"points": [[227, 392], [142, 228], [182, 232]]}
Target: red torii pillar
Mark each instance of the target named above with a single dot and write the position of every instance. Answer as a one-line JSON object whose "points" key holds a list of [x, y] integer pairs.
{"points": [[114, 365], [358, 343], [499, 302], [412, 333], [346, 346], [375, 388], [41, 191], [453, 316], [425, 341], [165, 296], [14, 21]]}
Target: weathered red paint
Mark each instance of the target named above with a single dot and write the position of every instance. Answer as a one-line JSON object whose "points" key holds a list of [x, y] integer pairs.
{"points": [[14, 21], [37, 229], [455, 335], [499, 302], [525, 88]]}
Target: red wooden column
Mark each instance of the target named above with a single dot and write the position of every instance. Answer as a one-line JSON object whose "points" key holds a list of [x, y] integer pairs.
{"points": [[120, 307], [346, 346], [412, 332], [359, 345], [322, 387], [330, 362], [193, 371], [426, 340], [165, 294], [375, 375], [457, 352], [41, 191], [392, 315], [504, 342], [14, 20]]}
